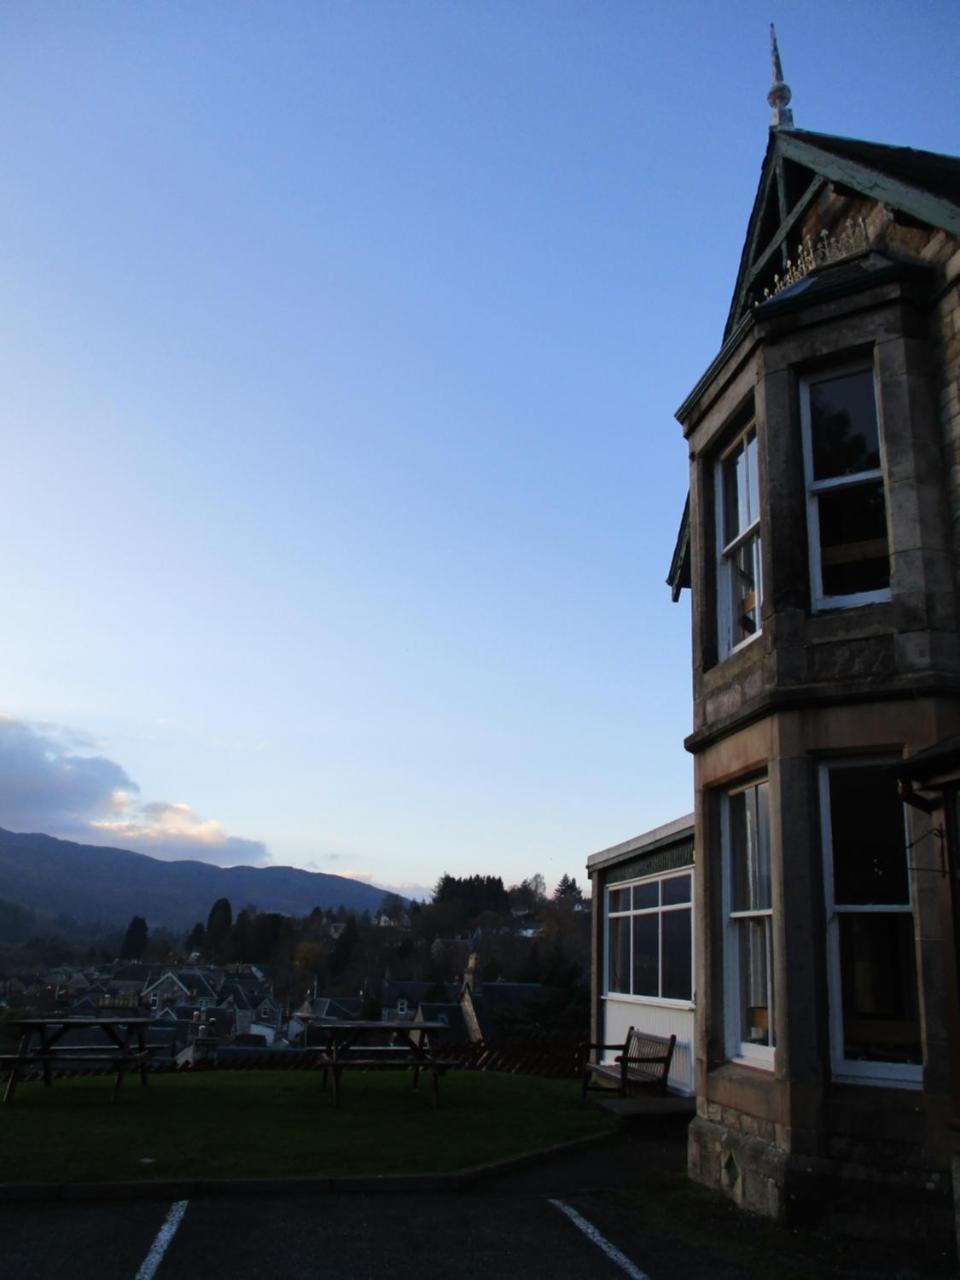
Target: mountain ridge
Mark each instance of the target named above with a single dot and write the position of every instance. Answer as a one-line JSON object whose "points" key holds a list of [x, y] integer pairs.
{"points": [[103, 884]]}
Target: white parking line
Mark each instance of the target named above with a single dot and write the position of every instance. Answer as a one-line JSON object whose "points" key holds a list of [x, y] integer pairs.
{"points": [[601, 1241], [159, 1247]]}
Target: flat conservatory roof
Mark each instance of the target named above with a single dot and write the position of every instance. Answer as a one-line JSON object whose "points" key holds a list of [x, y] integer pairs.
{"points": [[670, 832]]}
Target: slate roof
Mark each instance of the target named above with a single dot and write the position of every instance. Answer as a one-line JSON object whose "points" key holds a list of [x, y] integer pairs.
{"points": [[414, 992], [452, 1015], [241, 997], [492, 1000], [335, 1008]]}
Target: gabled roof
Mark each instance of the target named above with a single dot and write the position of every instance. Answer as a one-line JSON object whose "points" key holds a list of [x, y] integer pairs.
{"points": [[799, 164], [168, 976]]}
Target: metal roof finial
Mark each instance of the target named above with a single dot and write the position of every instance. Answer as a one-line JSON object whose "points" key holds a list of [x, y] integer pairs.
{"points": [[779, 95]]}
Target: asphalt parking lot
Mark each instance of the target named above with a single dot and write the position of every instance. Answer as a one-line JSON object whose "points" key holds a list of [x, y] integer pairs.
{"points": [[532, 1223], [599, 1213], [473, 1237]]}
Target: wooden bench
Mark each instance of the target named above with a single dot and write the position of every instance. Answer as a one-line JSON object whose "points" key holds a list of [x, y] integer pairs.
{"points": [[642, 1061]]}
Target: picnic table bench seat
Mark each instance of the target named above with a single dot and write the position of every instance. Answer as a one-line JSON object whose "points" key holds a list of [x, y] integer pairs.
{"points": [[642, 1062], [361, 1062], [122, 1061]]}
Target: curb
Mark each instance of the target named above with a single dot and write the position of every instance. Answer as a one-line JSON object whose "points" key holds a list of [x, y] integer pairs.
{"points": [[363, 1184]]}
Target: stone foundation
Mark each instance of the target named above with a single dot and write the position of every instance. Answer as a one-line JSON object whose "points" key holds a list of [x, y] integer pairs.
{"points": [[892, 1198]]}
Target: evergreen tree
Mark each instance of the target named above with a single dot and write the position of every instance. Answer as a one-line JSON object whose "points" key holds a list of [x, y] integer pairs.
{"points": [[569, 889], [219, 926], [134, 940], [343, 948]]}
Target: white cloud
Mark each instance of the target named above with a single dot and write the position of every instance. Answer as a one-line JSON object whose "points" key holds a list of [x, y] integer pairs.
{"points": [[47, 785], [408, 889], [174, 831]]}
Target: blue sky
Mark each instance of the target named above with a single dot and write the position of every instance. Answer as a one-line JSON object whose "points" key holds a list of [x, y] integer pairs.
{"points": [[340, 348]]}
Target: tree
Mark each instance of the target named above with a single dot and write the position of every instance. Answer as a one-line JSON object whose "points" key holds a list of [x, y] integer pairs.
{"points": [[309, 964], [134, 940], [160, 948], [371, 1009], [242, 942], [343, 948], [392, 907], [219, 926], [196, 938], [569, 889], [529, 895], [470, 896]]}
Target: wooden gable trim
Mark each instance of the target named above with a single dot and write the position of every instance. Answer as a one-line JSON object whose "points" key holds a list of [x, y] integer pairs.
{"points": [[825, 167], [767, 176], [792, 218], [874, 184]]}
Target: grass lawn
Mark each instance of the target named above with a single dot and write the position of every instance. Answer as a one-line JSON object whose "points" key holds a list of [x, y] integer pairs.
{"points": [[225, 1124]]}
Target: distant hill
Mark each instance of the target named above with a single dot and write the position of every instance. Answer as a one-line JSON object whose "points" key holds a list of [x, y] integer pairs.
{"points": [[92, 884]]}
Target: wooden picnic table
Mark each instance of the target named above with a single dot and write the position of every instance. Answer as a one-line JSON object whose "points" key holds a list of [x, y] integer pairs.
{"points": [[360, 1044], [41, 1045]]}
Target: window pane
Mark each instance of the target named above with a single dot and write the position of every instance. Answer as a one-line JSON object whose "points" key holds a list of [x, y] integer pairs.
{"points": [[676, 890], [645, 895], [677, 955], [763, 899], [646, 945], [754, 981], [619, 899], [741, 504], [843, 426], [752, 479], [877, 964], [620, 954], [742, 573], [853, 539], [750, 849], [739, 852], [733, 515], [866, 827]]}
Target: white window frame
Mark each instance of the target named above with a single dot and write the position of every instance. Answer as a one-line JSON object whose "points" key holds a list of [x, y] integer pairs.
{"points": [[726, 551], [820, 601], [737, 1049], [855, 1070], [666, 1002]]}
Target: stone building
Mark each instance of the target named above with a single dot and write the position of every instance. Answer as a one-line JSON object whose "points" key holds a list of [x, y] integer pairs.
{"points": [[821, 544]]}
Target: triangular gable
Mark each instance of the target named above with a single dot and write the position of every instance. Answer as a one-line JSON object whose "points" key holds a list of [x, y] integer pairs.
{"points": [[799, 165], [173, 978]]}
